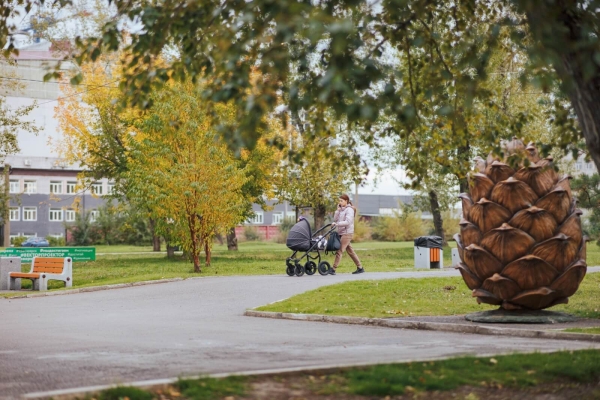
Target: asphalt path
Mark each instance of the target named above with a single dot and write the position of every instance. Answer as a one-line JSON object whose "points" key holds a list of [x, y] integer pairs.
{"points": [[196, 327]]}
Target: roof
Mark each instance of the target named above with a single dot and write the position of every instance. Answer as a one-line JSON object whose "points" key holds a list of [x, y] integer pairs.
{"points": [[44, 163], [370, 204]]}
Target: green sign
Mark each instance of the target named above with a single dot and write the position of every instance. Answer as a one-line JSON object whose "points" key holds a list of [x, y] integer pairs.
{"points": [[27, 253]]}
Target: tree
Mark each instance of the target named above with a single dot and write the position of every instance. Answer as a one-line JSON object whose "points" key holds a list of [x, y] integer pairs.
{"points": [[183, 174], [314, 180], [12, 120], [587, 189], [336, 54]]}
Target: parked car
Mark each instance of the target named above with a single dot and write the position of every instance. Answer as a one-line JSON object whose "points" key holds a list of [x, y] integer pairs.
{"points": [[35, 242]]}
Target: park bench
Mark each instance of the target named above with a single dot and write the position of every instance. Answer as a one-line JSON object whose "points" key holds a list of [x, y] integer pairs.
{"points": [[44, 269]]}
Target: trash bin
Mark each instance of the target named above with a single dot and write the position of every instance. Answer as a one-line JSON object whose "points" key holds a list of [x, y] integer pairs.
{"points": [[428, 252]]}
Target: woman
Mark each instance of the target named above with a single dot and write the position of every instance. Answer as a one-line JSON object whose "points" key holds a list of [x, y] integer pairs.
{"points": [[344, 220]]}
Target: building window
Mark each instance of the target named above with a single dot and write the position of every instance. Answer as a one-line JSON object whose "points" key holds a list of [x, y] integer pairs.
{"points": [[291, 215], [258, 218], [14, 186], [71, 187], [589, 165], [578, 166], [29, 213], [15, 214], [30, 187], [277, 218], [93, 215], [56, 187], [97, 188], [110, 187], [56, 214], [390, 211], [70, 215], [56, 235]]}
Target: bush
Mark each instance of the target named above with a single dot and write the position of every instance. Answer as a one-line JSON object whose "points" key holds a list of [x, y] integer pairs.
{"points": [[18, 241], [450, 225], [284, 229], [55, 241], [251, 234], [398, 228], [362, 230]]}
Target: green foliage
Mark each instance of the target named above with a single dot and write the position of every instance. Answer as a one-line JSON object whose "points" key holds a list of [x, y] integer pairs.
{"points": [[250, 233], [55, 241], [210, 388], [399, 227], [125, 392], [587, 190], [83, 231], [18, 241]]}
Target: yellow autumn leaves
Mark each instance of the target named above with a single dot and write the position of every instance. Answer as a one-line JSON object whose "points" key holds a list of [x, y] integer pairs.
{"points": [[170, 160]]}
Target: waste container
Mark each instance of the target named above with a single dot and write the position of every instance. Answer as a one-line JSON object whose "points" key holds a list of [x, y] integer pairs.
{"points": [[428, 252]]}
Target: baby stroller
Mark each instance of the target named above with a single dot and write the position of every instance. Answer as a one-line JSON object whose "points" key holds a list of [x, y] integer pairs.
{"points": [[301, 240]]}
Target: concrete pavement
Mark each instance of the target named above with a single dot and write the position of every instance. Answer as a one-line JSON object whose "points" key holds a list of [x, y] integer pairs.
{"points": [[197, 326]]}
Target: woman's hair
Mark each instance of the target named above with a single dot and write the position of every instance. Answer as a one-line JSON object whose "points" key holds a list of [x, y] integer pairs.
{"points": [[346, 198]]}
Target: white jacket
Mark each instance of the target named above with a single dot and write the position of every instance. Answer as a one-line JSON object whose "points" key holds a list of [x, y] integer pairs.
{"points": [[344, 219]]}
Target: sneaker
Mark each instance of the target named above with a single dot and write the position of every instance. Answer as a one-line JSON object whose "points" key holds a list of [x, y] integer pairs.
{"points": [[331, 271], [358, 271]]}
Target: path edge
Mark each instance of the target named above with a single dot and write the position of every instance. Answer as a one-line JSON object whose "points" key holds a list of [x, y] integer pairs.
{"points": [[428, 326]]}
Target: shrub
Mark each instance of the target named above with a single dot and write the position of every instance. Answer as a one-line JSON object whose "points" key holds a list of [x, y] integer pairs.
{"points": [[284, 229], [362, 230], [251, 234], [55, 241], [398, 228], [18, 241], [450, 225]]}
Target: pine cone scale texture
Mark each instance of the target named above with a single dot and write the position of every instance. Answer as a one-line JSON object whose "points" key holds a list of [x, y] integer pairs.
{"points": [[521, 242]]}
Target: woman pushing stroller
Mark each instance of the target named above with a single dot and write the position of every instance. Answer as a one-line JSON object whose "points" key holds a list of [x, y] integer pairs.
{"points": [[343, 219]]}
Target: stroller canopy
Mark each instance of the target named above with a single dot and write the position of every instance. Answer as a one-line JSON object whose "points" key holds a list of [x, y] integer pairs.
{"points": [[299, 236]]}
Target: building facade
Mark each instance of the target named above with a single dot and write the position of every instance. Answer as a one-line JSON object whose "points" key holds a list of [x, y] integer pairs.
{"points": [[45, 196]]}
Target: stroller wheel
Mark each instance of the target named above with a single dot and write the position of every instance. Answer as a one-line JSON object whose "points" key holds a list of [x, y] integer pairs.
{"points": [[299, 269], [290, 269], [310, 267], [324, 267]]}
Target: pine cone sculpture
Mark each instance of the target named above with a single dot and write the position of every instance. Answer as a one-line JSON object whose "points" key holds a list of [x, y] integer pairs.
{"points": [[521, 244]]}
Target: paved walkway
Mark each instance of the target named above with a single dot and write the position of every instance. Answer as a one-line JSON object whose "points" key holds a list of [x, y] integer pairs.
{"points": [[197, 326]]}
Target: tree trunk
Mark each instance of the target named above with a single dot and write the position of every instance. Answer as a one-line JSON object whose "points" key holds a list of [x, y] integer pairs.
{"points": [[155, 237], [232, 242], [575, 64], [195, 253], [219, 238], [170, 251], [320, 212], [207, 253], [438, 223]]}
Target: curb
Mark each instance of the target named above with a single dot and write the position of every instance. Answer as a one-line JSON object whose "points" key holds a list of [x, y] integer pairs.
{"points": [[428, 326], [92, 289]]}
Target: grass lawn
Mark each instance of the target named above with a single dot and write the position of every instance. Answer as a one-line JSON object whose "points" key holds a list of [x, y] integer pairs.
{"points": [[416, 297], [593, 331], [124, 264], [561, 374], [253, 258]]}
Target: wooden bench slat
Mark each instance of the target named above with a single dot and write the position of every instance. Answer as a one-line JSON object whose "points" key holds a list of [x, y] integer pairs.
{"points": [[48, 263], [23, 275]]}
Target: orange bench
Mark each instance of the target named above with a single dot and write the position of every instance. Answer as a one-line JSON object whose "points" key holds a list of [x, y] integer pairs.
{"points": [[44, 269]]}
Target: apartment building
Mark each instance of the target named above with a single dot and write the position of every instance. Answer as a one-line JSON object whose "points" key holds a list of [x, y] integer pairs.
{"points": [[45, 196]]}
